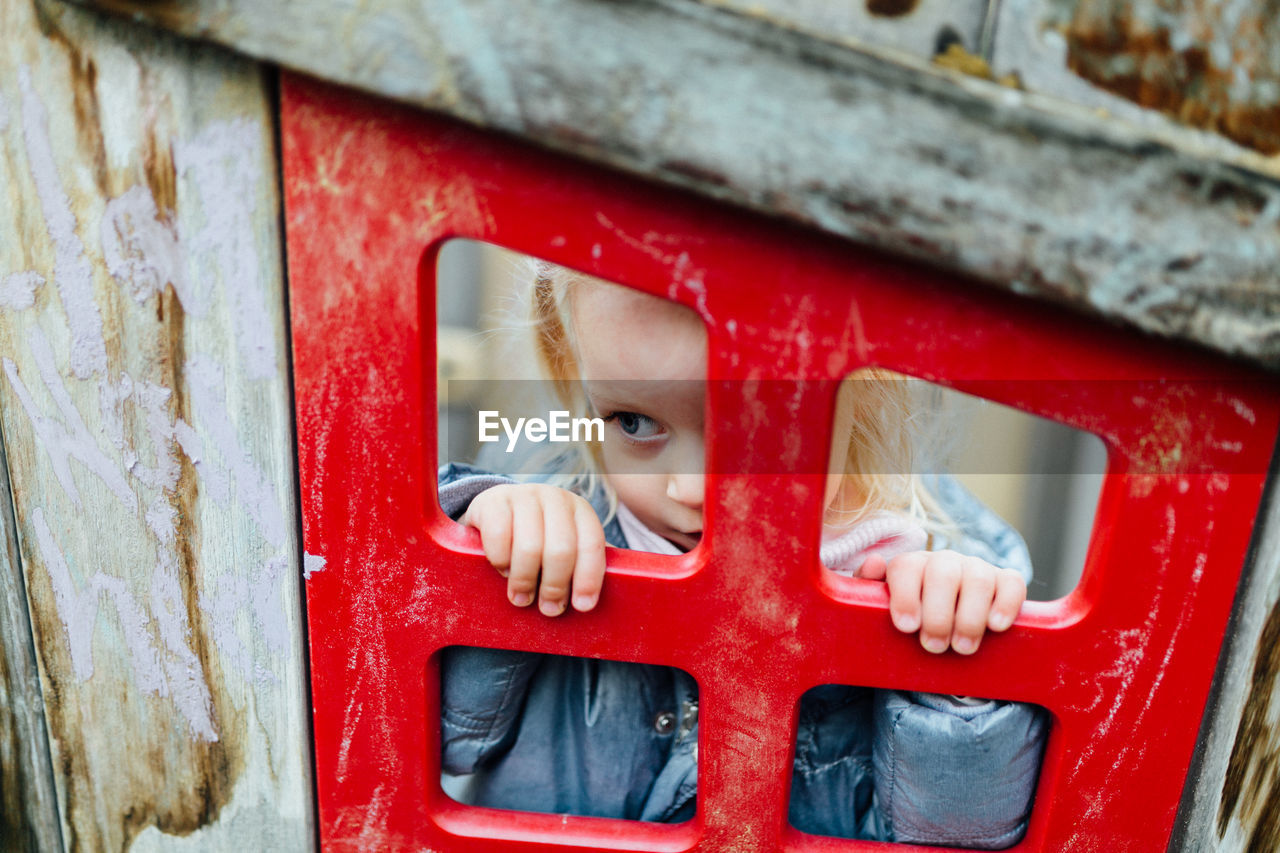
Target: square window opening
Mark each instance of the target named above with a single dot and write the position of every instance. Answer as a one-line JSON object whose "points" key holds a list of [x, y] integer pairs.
{"points": [[553, 377], [566, 735], [909, 767], [916, 466]]}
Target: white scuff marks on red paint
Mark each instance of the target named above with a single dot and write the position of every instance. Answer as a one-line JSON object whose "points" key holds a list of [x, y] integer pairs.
{"points": [[1197, 575], [685, 275], [372, 835], [1125, 758], [1067, 675], [18, 290], [223, 164], [72, 272], [650, 244], [1132, 645], [1202, 560], [853, 338], [797, 351], [795, 342], [311, 563], [1241, 408], [350, 722]]}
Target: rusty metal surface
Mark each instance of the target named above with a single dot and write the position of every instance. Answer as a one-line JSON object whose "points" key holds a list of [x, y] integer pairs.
{"points": [[1210, 67], [1173, 232], [1214, 66]]}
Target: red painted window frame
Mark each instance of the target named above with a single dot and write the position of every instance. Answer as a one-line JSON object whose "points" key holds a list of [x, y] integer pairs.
{"points": [[1124, 663]]}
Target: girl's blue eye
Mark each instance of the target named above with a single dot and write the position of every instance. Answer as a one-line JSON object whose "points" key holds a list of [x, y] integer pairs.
{"points": [[636, 425]]}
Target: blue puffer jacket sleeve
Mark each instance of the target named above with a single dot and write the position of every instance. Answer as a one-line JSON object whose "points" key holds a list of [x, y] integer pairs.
{"points": [[959, 771], [952, 773], [482, 690]]}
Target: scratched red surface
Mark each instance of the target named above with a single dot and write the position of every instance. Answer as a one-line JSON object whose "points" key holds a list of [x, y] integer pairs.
{"points": [[1124, 663]]}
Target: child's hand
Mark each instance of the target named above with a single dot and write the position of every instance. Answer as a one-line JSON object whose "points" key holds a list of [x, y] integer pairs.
{"points": [[950, 598], [530, 530]]}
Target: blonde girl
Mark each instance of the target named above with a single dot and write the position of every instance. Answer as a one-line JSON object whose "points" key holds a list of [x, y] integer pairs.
{"points": [[638, 362], [557, 734]]}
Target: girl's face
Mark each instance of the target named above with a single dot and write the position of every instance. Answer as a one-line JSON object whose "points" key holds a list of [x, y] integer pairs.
{"points": [[643, 362]]}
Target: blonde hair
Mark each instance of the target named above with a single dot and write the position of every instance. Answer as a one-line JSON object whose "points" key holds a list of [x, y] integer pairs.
{"points": [[884, 449]]}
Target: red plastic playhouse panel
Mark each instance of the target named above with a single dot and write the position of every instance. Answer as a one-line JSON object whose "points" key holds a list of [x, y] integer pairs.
{"points": [[1124, 663]]}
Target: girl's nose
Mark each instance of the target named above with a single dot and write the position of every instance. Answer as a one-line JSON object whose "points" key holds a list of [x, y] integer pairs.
{"points": [[686, 489]]}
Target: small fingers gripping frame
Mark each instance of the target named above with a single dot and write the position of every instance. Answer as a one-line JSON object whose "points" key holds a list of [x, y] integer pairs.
{"points": [[1123, 664]]}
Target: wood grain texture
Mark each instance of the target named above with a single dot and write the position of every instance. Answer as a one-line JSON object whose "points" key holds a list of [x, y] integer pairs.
{"points": [[1232, 801], [1173, 231], [28, 802], [145, 415], [920, 28]]}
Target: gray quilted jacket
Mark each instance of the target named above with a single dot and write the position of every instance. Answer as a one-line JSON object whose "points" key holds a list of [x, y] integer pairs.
{"points": [[569, 735]]}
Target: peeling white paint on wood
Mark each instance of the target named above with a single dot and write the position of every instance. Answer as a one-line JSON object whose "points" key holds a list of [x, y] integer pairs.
{"points": [[65, 437], [147, 425], [222, 165], [257, 491], [142, 251], [18, 290], [72, 272], [78, 612]]}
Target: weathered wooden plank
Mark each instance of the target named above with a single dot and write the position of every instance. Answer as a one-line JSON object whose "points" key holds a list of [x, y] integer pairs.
{"points": [[1171, 230], [146, 419], [28, 803], [1232, 801], [920, 28]]}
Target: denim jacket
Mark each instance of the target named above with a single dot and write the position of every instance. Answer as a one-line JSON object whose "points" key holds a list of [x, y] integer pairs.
{"points": [[572, 735]]}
